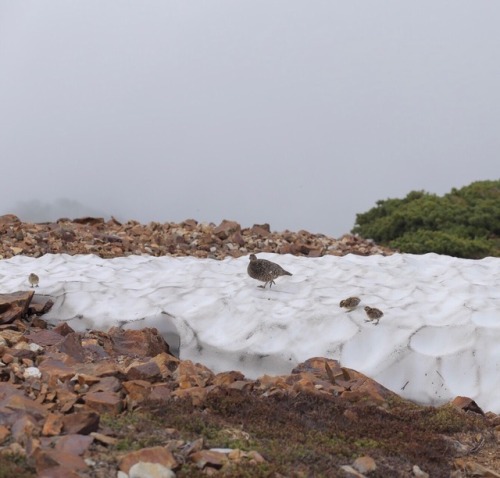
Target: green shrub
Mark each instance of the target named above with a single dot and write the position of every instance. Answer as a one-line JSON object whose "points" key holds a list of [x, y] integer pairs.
{"points": [[462, 223]]}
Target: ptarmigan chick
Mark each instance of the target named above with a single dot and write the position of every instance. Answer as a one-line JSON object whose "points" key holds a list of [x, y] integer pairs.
{"points": [[373, 314], [33, 280], [265, 271], [350, 303]]}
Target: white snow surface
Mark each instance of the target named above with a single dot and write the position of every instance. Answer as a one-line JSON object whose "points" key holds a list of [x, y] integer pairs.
{"points": [[439, 336]]}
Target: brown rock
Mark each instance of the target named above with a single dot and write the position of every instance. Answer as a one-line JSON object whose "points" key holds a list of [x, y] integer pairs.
{"points": [[46, 459], [160, 392], [24, 428], [63, 329], [189, 374], [155, 454], [137, 392], [44, 337], [71, 345], [25, 405], [74, 444], [14, 305], [107, 440], [211, 458], [197, 395], [106, 384], [55, 369], [39, 305], [226, 378], [144, 371], [4, 433], [81, 423], [226, 228], [8, 219], [141, 343], [53, 424], [104, 402], [57, 472]]}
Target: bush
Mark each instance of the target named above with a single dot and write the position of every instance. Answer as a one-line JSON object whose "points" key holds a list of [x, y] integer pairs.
{"points": [[462, 223]]}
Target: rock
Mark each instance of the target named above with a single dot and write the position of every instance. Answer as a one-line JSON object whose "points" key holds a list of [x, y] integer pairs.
{"points": [[141, 343], [4, 433], [81, 423], [418, 473], [107, 440], [57, 472], [53, 424], [467, 405], [46, 459], [25, 405], [365, 464], [74, 444], [137, 392], [157, 454], [189, 375], [150, 470], [44, 337], [71, 345], [14, 305], [352, 471], [143, 371], [104, 402], [226, 228], [63, 329], [55, 369], [226, 378], [203, 458]]}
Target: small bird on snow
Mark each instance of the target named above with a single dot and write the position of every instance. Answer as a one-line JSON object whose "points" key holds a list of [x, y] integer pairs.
{"points": [[33, 280], [373, 314], [265, 271], [350, 303]]}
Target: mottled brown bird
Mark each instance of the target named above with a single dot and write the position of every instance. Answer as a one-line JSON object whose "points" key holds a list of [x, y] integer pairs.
{"points": [[373, 314], [350, 303], [33, 280], [265, 271]]}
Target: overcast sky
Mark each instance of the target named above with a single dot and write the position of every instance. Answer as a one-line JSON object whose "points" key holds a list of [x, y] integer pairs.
{"points": [[300, 114]]}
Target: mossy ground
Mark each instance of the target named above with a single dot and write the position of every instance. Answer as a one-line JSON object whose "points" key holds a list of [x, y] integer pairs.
{"points": [[305, 435]]}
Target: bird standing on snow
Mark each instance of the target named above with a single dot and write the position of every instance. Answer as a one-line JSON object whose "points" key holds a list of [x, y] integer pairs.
{"points": [[373, 314], [33, 280], [350, 303], [265, 271]]}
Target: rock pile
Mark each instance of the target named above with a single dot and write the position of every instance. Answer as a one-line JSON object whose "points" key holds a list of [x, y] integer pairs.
{"points": [[112, 239], [59, 392]]}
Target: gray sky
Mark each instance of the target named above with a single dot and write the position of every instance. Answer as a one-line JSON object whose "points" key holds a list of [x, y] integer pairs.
{"points": [[300, 114]]}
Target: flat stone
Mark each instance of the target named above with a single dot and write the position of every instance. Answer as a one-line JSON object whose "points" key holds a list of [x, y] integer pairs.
{"points": [[44, 337], [46, 459], [107, 440], [26, 405], [74, 444], [155, 454], [104, 402], [106, 384], [55, 369]]}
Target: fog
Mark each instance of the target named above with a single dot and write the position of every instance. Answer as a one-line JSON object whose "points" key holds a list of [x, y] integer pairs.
{"points": [[298, 114]]}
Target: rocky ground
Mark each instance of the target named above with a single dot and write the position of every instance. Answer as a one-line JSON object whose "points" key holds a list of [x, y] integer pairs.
{"points": [[117, 403]]}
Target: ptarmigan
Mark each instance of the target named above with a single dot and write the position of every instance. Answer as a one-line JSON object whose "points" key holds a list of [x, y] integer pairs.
{"points": [[350, 303], [373, 314], [33, 280], [265, 271]]}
